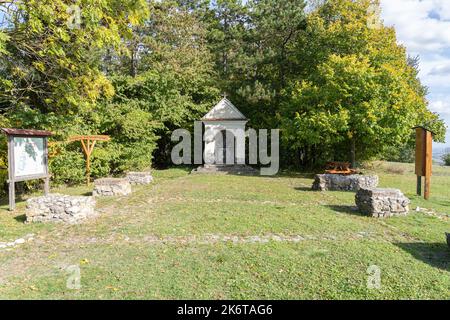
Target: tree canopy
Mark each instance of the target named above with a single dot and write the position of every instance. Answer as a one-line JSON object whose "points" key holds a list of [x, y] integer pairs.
{"points": [[328, 73]]}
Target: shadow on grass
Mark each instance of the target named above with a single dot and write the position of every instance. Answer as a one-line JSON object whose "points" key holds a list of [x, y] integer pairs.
{"points": [[22, 218], [293, 174], [306, 189], [443, 203], [165, 167], [435, 254], [4, 202], [351, 210]]}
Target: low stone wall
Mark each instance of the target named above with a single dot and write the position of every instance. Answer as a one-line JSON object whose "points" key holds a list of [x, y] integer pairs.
{"points": [[60, 208], [140, 178], [382, 203], [111, 187], [335, 182]]}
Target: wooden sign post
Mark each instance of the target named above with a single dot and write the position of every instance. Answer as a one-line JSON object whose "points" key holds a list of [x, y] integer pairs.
{"points": [[88, 144], [27, 159], [424, 159]]}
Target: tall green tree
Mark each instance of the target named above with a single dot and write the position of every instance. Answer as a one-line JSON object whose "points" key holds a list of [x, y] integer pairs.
{"points": [[169, 74], [327, 72], [50, 55], [51, 77], [361, 93], [268, 64]]}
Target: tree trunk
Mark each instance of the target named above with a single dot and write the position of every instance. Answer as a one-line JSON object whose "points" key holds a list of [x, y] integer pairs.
{"points": [[133, 70], [225, 53], [353, 152]]}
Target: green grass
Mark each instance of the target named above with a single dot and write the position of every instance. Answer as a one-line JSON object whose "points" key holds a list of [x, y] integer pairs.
{"points": [[118, 261]]}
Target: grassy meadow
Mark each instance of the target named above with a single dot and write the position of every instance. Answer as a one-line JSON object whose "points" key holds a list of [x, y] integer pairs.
{"points": [[232, 237]]}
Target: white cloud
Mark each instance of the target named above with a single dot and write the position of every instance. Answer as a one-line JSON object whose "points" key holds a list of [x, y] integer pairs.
{"points": [[441, 107], [435, 72], [423, 27], [443, 9], [415, 27], [440, 70]]}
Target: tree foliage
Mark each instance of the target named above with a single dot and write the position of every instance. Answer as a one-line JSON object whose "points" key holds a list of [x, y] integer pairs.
{"points": [[328, 73], [361, 93], [446, 159], [51, 62]]}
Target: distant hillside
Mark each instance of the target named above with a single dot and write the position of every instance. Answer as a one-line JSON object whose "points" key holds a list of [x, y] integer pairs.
{"points": [[439, 152]]}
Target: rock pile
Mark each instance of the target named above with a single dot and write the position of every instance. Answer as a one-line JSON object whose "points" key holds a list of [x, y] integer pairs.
{"points": [[60, 208], [382, 203], [110, 187], [140, 178], [336, 182]]}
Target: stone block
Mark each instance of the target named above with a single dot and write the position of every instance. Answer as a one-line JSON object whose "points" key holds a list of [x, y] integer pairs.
{"points": [[336, 182], [111, 187], [382, 203], [140, 178], [60, 208]]}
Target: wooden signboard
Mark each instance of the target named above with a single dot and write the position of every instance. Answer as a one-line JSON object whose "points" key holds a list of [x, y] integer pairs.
{"points": [[424, 159], [27, 158], [88, 144]]}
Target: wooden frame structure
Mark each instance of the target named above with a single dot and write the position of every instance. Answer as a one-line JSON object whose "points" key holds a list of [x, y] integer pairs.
{"points": [[88, 144], [424, 159], [342, 168], [12, 178]]}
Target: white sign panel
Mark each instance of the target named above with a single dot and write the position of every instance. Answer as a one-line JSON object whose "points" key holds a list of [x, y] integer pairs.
{"points": [[29, 156]]}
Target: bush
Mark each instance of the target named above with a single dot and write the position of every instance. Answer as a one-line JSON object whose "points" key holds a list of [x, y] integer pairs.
{"points": [[3, 182], [145, 109], [446, 159], [395, 169], [68, 167], [404, 153], [4, 123], [132, 140]]}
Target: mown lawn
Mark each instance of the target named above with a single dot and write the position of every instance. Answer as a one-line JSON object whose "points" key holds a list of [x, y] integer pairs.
{"points": [[162, 243]]}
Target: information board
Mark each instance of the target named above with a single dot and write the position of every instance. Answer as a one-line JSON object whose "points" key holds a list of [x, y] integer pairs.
{"points": [[29, 157]]}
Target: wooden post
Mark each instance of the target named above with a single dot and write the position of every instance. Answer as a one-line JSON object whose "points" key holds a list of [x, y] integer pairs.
{"points": [[424, 159], [419, 185], [88, 170], [88, 147], [428, 163], [11, 182], [427, 187], [88, 144], [12, 195], [419, 159], [47, 186], [85, 145], [47, 178]]}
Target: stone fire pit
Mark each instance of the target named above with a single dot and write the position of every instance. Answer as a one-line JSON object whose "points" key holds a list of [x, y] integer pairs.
{"points": [[336, 182], [140, 178], [382, 203], [60, 208], [111, 187]]}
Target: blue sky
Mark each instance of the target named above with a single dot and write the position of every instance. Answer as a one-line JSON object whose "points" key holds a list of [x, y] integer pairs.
{"points": [[423, 27]]}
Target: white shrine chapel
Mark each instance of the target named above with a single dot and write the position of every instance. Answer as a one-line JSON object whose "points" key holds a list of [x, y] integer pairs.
{"points": [[224, 134], [224, 139]]}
